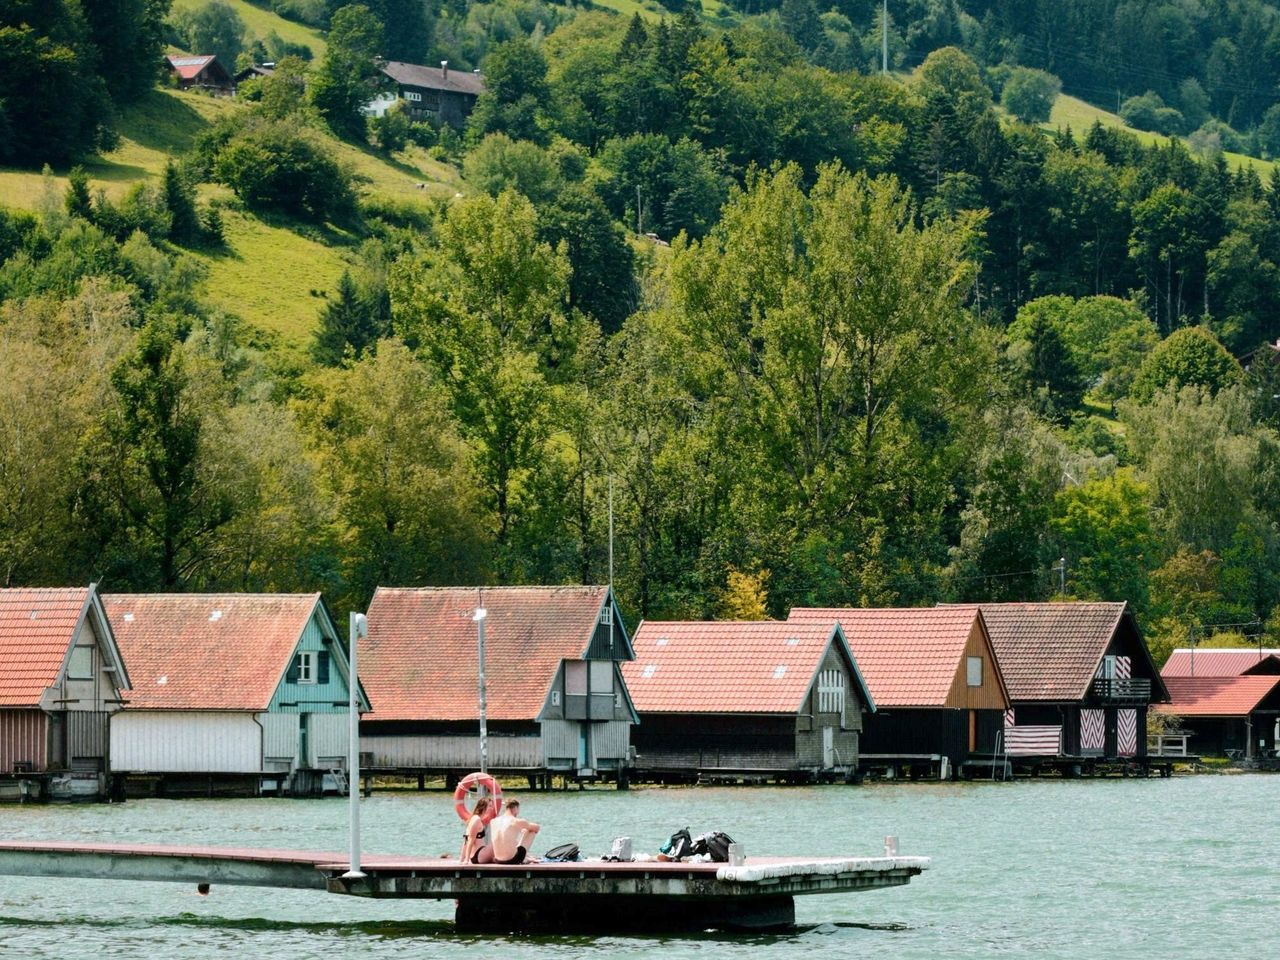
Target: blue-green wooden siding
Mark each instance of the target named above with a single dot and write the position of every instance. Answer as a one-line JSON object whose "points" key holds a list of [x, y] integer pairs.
{"points": [[328, 697]]}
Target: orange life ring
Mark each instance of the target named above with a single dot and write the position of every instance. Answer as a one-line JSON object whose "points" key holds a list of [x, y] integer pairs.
{"points": [[477, 785]]}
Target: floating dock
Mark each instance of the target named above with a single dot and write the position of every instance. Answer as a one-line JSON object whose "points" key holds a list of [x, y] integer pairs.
{"points": [[582, 896]]}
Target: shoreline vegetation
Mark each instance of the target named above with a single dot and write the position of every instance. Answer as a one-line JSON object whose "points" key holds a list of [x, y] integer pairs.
{"points": [[829, 337]]}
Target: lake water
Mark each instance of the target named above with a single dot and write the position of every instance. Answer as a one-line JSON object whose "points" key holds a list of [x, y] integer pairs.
{"points": [[1073, 869]]}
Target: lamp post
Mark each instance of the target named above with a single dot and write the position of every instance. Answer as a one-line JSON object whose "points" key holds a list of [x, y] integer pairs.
{"points": [[479, 617], [359, 629]]}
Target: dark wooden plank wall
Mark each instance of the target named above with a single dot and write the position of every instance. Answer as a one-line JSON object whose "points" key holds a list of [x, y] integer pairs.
{"points": [[24, 737]]}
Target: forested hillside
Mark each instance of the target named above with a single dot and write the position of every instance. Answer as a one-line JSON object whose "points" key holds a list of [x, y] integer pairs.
{"points": [[824, 336]]}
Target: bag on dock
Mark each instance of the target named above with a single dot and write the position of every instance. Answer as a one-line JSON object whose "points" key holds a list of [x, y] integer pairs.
{"points": [[717, 845], [679, 846], [565, 853], [620, 850]]}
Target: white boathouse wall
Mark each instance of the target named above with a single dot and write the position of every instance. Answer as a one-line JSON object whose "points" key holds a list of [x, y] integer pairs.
{"points": [[177, 741]]}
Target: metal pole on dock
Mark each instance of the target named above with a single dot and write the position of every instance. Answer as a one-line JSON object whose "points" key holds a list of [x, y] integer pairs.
{"points": [[359, 629], [480, 615]]}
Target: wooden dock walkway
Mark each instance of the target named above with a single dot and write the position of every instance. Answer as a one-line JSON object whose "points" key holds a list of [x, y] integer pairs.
{"points": [[587, 895]]}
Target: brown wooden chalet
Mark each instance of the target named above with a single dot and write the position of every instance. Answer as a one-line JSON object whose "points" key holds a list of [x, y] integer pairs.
{"points": [[940, 698], [204, 72], [1080, 681], [746, 699], [434, 93], [60, 680], [556, 700]]}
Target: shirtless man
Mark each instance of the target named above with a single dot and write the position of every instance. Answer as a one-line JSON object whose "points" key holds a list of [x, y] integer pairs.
{"points": [[509, 835]]}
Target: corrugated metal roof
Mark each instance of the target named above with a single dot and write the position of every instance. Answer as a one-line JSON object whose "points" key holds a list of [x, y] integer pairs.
{"points": [[1050, 651], [726, 667], [207, 651], [37, 626], [434, 78], [909, 655], [188, 68], [1217, 696], [420, 660], [1215, 662]]}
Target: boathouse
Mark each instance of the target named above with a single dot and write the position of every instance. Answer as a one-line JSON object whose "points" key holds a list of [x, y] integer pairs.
{"points": [[939, 693], [556, 702], [1080, 682], [746, 700], [231, 694], [60, 679], [1232, 716]]}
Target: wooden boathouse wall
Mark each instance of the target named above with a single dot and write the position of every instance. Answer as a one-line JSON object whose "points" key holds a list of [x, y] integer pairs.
{"points": [[24, 740]]}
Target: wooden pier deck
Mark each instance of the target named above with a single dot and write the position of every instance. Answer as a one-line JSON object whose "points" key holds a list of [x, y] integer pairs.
{"points": [[588, 895]]}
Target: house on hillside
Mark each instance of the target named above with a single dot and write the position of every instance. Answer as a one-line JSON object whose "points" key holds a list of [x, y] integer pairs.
{"points": [[1235, 716], [258, 71], [940, 697], [556, 701], [1080, 682], [61, 674], [201, 73], [232, 693], [746, 699], [1221, 662], [438, 95]]}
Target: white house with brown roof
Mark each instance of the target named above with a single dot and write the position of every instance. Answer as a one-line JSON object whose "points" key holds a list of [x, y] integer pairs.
{"points": [[940, 697], [556, 701], [1080, 680], [746, 699], [60, 679], [230, 692]]}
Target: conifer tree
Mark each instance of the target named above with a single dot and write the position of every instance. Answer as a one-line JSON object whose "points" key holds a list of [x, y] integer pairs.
{"points": [[345, 322]]}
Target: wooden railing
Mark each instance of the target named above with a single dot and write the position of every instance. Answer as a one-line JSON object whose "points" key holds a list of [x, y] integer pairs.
{"points": [[1131, 690], [1167, 745]]}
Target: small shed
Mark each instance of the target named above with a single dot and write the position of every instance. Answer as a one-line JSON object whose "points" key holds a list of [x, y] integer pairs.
{"points": [[60, 679], [1221, 662], [1079, 676], [204, 72], [1236, 716], [783, 700], [432, 93], [937, 685], [556, 701], [234, 693]]}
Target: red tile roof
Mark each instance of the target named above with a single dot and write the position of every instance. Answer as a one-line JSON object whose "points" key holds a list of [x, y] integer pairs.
{"points": [[1050, 651], [207, 651], [727, 667], [37, 626], [1217, 696], [1211, 662], [909, 655], [188, 68], [419, 661]]}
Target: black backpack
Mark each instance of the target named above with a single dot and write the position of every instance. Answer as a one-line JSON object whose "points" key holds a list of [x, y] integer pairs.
{"points": [[717, 845], [564, 853], [679, 846]]}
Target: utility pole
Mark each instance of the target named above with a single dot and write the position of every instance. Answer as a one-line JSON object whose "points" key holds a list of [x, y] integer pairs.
{"points": [[479, 617], [359, 628], [884, 37], [609, 599]]}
